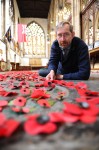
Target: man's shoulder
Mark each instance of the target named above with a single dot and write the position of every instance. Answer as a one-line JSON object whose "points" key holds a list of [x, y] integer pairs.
{"points": [[78, 41], [55, 43]]}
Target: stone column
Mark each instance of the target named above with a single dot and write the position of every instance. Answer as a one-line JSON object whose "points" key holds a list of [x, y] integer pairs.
{"points": [[3, 18], [76, 17]]}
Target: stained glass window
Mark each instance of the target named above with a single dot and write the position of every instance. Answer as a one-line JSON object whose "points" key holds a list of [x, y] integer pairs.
{"points": [[35, 45]]}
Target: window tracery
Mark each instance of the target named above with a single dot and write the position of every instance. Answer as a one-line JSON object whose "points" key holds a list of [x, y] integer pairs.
{"points": [[35, 45]]}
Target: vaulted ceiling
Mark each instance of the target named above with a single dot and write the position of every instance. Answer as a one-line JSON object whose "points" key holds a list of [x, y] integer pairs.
{"points": [[34, 8]]}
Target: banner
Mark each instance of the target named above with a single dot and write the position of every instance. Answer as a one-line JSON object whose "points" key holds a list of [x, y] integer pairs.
{"points": [[8, 34], [21, 33]]}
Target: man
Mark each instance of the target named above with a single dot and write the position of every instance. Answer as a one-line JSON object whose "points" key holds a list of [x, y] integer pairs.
{"points": [[69, 59]]}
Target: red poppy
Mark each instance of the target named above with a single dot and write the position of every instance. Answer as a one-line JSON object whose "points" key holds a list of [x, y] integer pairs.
{"points": [[25, 91], [2, 77], [33, 127], [25, 110], [86, 92], [1, 88], [3, 93], [44, 103], [39, 85], [63, 117], [14, 86], [39, 93], [56, 116], [70, 85], [1, 109], [91, 93], [49, 83], [24, 83], [20, 109], [72, 108], [94, 100], [16, 109], [90, 100], [81, 99], [70, 118], [91, 110], [9, 127], [20, 101], [88, 119], [10, 93], [3, 103], [2, 119], [81, 85], [60, 82]]}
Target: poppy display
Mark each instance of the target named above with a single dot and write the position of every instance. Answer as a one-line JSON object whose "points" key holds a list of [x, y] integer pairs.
{"points": [[24, 93]]}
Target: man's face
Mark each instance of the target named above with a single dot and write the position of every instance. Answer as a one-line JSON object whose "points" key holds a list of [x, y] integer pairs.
{"points": [[64, 36]]}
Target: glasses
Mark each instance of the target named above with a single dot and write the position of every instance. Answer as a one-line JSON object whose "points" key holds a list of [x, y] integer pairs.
{"points": [[63, 35]]}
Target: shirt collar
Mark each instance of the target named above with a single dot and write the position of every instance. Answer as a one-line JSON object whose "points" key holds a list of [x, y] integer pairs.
{"points": [[67, 48]]}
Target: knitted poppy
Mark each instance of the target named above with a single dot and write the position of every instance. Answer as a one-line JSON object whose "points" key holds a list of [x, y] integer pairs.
{"points": [[94, 100], [92, 110], [88, 119], [39, 93], [16, 109], [86, 92], [14, 86], [9, 127], [72, 108], [3, 103], [10, 93], [25, 91], [81, 85], [70, 85], [20, 109], [44, 103], [3, 93], [1, 109], [39, 85], [2, 119], [63, 117], [1, 88], [24, 83], [20, 101], [36, 126], [49, 83]]}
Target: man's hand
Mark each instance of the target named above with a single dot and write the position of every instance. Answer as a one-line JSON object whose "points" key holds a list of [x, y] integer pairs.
{"points": [[59, 76], [51, 75]]}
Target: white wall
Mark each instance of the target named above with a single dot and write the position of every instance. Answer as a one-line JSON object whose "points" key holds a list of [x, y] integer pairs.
{"points": [[24, 62]]}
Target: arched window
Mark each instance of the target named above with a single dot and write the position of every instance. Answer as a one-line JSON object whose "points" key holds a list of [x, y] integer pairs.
{"points": [[35, 45]]}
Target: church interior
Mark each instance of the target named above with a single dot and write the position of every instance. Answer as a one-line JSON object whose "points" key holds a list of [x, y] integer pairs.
{"points": [[37, 114], [40, 19]]}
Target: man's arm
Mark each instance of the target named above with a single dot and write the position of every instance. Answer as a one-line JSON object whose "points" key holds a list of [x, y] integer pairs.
{"points": [[54, 57]]}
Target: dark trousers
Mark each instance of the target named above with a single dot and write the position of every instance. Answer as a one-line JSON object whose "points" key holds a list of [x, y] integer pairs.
{"points": [[43, 72]]}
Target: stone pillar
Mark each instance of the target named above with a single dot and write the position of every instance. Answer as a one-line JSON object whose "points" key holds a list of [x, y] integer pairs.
{"points": [[76, 17], [3, 18]]}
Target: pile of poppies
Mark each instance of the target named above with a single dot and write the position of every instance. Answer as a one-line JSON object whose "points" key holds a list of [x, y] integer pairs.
{"points": [[29, 86]]}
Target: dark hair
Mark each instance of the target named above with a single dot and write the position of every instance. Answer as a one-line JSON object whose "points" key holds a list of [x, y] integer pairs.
{"points": [[61, 24]]}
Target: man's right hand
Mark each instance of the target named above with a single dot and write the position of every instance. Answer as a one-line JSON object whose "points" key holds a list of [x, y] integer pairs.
{"points": [[51, 75]]}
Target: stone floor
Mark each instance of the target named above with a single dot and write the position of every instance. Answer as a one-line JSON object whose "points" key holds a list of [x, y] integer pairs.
{"points": [[68, 137]]}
